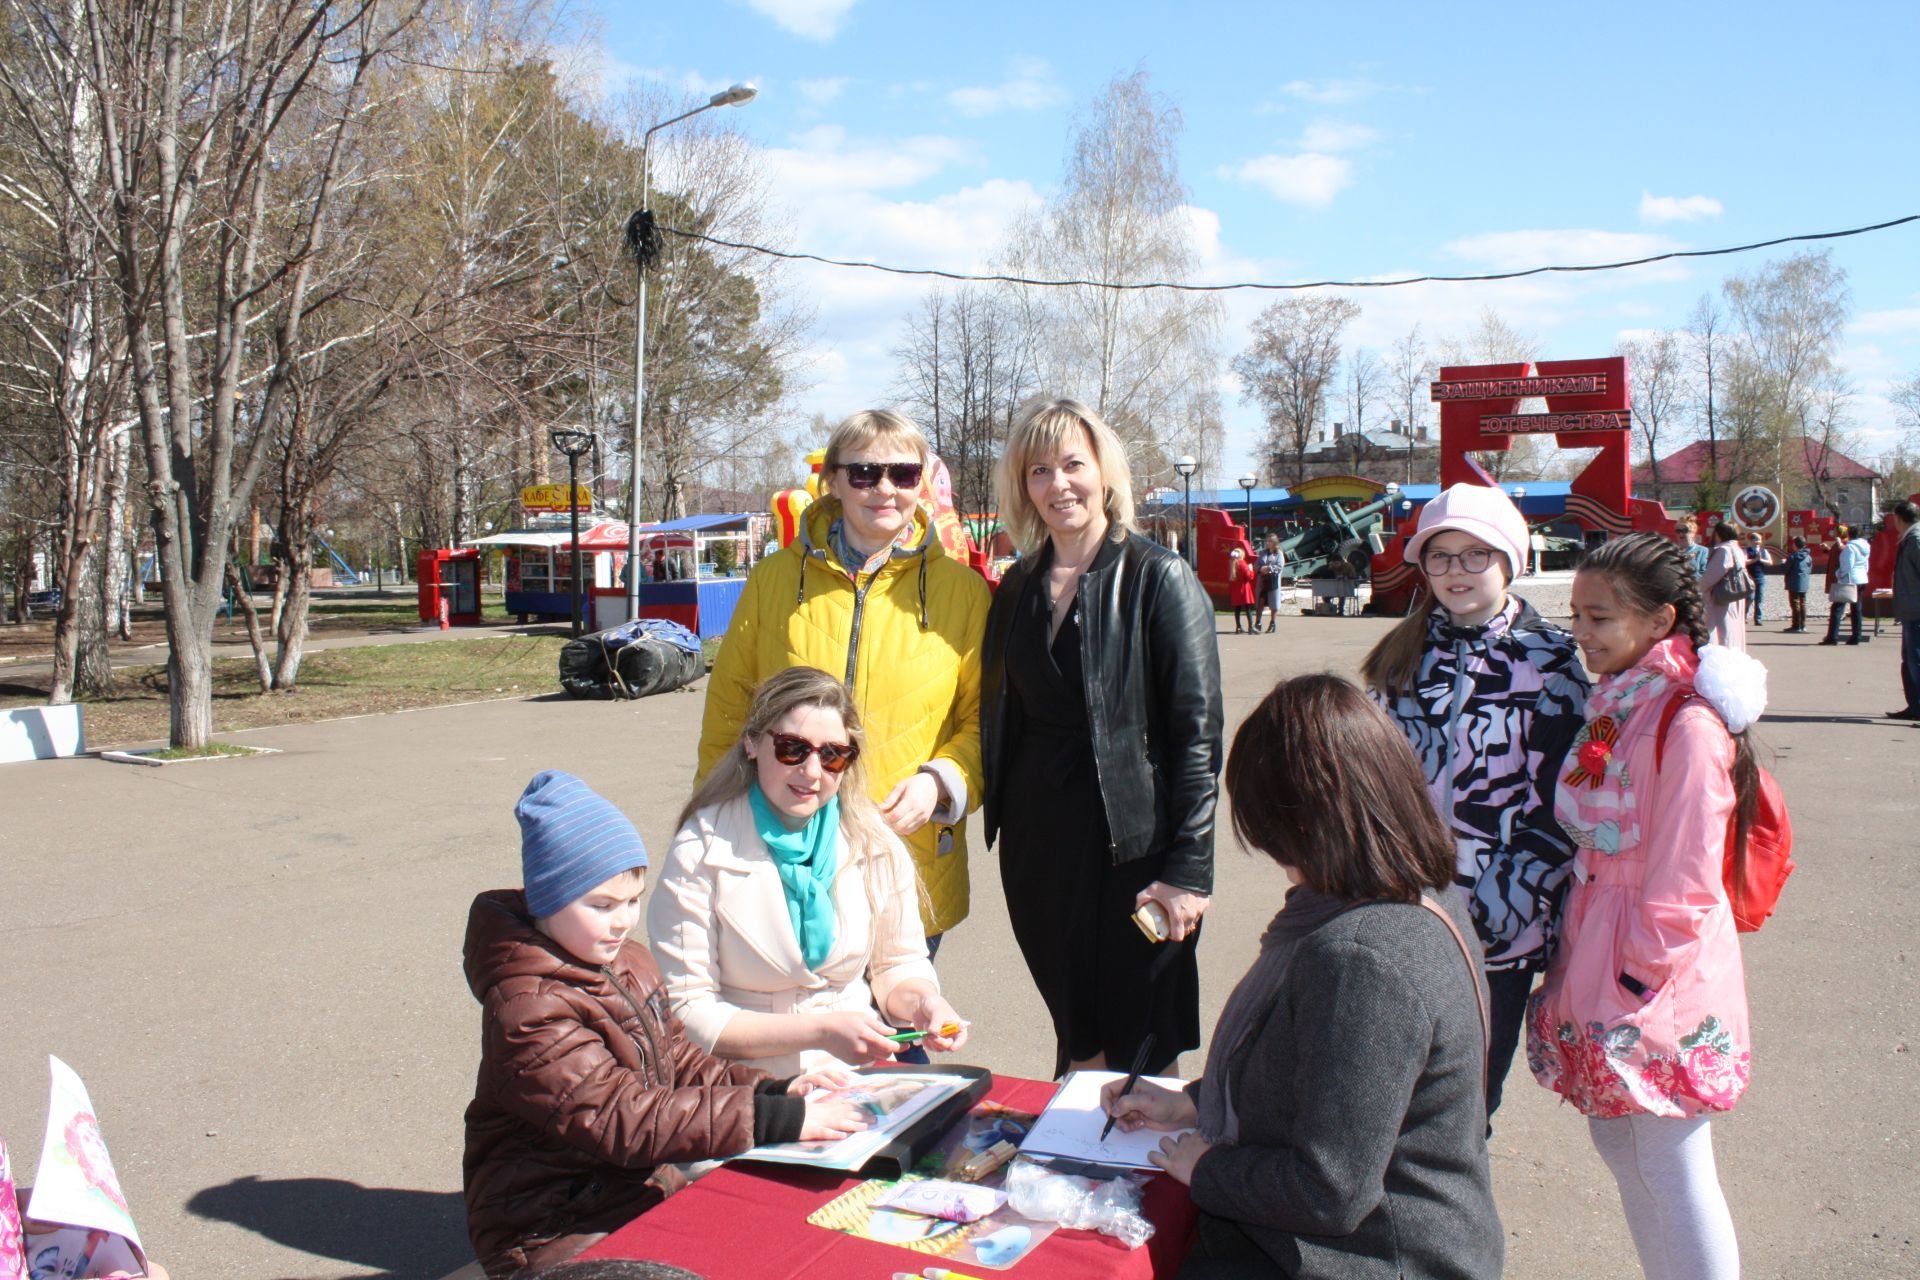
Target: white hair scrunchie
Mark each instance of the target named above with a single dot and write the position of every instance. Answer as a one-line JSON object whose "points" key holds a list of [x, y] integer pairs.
{"points": [[1734, 682]]}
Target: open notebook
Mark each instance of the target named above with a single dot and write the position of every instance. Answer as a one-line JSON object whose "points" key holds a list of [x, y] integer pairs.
{"points": [[1070, 1126], [912, 1107]]}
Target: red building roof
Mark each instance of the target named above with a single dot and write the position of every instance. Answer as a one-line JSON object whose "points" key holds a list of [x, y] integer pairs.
{"points": [[1689, 465]]}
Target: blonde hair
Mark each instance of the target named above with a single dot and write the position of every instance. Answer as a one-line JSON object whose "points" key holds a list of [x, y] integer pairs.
{"points": [[865, 832], [867, 426], [1045, 429]]}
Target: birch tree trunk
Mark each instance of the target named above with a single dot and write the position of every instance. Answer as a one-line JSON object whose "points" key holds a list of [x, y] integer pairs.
{"points": [[116, 613]]}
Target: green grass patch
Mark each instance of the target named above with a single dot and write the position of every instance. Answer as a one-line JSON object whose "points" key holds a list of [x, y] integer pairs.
{"points": [[398, 612], [365, 680], [211, 751]]}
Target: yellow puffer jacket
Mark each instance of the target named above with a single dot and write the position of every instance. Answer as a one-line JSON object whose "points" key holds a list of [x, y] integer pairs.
{"points": [[908, 641]]}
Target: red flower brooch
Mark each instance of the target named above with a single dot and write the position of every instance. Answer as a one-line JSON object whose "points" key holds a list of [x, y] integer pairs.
{"points": [[1594, 753]]}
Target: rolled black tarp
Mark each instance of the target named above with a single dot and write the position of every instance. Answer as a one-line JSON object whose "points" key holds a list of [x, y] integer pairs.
{"points": [[631, 660]]}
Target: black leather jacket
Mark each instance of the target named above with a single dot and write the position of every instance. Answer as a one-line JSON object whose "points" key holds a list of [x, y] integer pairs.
{"points": [[1152, 669]]}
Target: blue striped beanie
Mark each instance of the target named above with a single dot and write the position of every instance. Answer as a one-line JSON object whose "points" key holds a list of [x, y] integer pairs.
{"points": [[571, 839]]}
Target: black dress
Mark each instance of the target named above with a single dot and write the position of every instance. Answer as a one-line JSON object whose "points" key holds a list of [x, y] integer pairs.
{"points": [[1104, 983]]}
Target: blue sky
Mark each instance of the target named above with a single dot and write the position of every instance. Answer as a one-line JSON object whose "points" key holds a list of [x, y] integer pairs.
{"points": [[1335, 141]]}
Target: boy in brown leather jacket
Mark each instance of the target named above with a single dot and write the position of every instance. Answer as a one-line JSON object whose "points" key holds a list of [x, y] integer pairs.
{"points": [[587, 1083]]}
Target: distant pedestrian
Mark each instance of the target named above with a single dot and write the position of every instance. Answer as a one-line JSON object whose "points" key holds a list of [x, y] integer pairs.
{"points": [[1686, 535], [1798, 573], [1727, 621], [1242, 590], [1273, 569], [1760, 561], [659, 566], [1904, 519], [1846, 580]]}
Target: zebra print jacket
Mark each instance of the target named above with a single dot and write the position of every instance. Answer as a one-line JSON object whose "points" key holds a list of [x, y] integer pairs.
{"points": [[1491, 717]]}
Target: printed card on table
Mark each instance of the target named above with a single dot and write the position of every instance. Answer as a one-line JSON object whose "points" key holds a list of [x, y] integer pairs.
{"points": [[77, 1220]]}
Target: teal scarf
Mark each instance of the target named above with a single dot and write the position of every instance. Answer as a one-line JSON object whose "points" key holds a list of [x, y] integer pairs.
{"points": [[806, 860]]}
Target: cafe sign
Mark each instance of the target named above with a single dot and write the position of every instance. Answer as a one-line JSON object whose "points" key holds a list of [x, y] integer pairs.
{"points": [[553, 497]]}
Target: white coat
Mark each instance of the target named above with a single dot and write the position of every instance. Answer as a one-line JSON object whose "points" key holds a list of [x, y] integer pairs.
{"points": [[718, 925]]}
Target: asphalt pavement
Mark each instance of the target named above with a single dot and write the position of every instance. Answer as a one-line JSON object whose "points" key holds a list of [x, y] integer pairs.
{"points": [[255, 966]]}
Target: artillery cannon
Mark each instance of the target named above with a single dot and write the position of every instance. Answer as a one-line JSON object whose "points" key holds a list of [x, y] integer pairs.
{"points": [[1341, 543]]}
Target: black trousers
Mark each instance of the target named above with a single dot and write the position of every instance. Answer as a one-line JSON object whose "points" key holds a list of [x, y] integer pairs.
{"points": [[1507, 991]]}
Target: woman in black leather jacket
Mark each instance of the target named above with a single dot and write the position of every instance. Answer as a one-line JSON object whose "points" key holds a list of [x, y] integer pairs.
{"points": [[1100, 738]]}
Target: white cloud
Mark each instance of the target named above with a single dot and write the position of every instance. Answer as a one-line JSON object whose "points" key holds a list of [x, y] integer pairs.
{"points": [[1310, 178], [1333, 92], [820, 92], [618, 74], [809, 19], [586, 68], [1678, 208], [859, 316], [1519, 250], [1315, 172], [1030, 86], [1337, 135], [1902, 321], [824, 165]]}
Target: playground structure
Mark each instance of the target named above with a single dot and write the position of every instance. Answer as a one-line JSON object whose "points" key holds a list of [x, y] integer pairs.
{"points": [[1356, 529], [1588, 405]]}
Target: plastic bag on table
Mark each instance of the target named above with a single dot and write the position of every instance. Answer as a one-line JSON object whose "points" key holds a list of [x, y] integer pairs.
{"points": [[1110, 1206]]}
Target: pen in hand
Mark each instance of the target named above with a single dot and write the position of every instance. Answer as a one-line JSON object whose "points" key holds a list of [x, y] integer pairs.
{"points": [[1133, 1078], [912, 1037]]}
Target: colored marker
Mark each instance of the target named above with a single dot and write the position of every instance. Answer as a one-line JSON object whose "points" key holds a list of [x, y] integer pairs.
{"points": [[912, 1037]]}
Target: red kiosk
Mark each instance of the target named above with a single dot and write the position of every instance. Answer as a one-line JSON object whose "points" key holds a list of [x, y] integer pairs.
{"points": [[450, 586], [1588, 405]]}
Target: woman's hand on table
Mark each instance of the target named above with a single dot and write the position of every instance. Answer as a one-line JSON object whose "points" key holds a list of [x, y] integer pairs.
{"points": [[1184, 907], [855, 1036], [909, 805], [832, 1118], [1148, 1106], [826, 1078], [1178, 1156]]}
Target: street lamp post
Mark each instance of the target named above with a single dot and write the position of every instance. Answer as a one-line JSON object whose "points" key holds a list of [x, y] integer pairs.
{"points": [[1185, 467], [576, 444], [1393, 500], [643, 240], [1247, 482]]}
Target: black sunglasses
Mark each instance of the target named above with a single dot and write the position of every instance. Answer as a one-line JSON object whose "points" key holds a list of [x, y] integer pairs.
{"points": [[834, 756], [865, 475]]}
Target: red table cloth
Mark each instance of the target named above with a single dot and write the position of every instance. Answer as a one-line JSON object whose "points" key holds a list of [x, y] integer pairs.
{"points": [[751, 1224]]}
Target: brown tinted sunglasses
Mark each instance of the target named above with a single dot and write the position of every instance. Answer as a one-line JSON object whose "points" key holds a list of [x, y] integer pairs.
{"points": [[834, 756]]}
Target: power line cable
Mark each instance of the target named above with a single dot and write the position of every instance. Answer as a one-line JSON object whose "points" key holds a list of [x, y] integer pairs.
{"points": [[967, 278]]}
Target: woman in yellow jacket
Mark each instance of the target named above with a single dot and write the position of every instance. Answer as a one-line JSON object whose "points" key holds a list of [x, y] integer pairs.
{"points": [[866, 591]]}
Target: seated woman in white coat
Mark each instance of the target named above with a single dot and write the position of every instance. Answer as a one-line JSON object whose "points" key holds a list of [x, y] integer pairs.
{"points": [[785, 918]]}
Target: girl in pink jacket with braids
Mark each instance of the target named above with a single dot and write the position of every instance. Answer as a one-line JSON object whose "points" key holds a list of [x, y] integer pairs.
{"points": [[1642, 1020]]}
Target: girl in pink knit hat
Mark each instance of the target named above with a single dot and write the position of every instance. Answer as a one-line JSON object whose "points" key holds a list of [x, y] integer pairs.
{"points": [[1490, 694]]}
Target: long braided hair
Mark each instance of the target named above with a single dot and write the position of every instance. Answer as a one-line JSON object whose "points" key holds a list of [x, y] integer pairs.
{"points": [[1646, 572]]}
